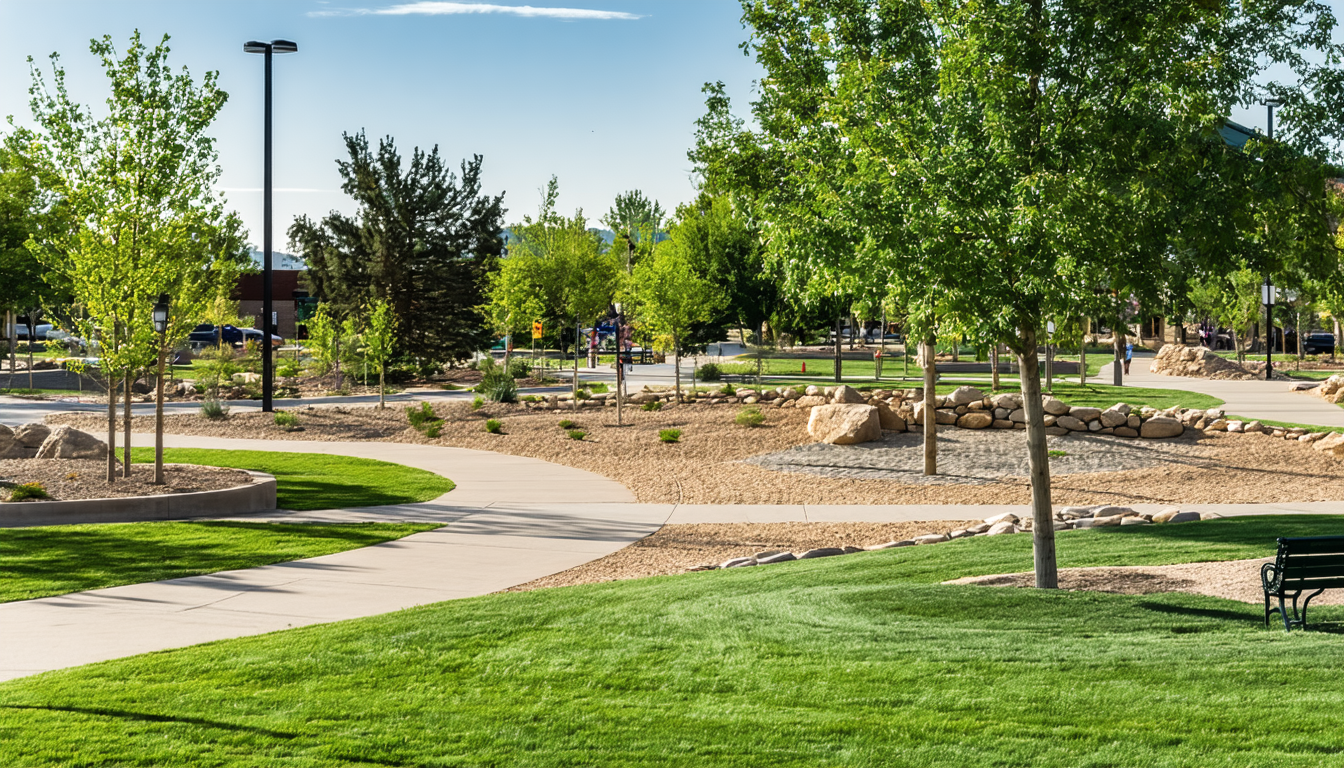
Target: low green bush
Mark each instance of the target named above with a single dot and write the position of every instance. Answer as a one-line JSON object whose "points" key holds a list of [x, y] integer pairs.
{"points": [[583, 394], [652, 405], [669, 435], [750, 416], [420, 417], [577, 434], [498, 386], [286, 421], [710, 372], [434, 430], [477, 403], [567, 424], [288, 368], [519, 368], [493, 426], [27, 491], [214, 410]]}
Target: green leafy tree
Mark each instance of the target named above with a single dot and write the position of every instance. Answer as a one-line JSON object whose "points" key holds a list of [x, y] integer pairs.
{"points": [[555, 267], [138, 187], [673, 297], [636, 221], [962, 156], [422, 239], [380, 328]]}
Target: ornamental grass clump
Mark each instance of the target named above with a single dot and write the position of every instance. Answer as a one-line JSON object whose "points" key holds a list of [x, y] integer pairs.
{"points": [[669, 435], [567, 424], [477, 403], [498, 386], [214, 409], [652, 405], [29, 492], [577, 434], [493, 426], [750, 416]]}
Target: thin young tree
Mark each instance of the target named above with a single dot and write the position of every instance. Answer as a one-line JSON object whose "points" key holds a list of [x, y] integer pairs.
{"points": [[672, 297], [379, 337]]}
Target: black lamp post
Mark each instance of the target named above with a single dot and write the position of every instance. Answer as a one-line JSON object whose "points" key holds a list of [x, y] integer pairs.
{"points": [[1270, 104], [267, 327], [160, 315]]}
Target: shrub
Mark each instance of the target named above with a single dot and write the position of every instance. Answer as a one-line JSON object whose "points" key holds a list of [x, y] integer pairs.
{"points": [[498, 386], [287, 368], [728, 389], [214, 410], [710, 372], [652, 405], [420, 417], [26, 491], [567, 424], [583, 394], [577, 434], [598, 388], [519, 368], [433, 430], [477, 402], [750, 416], [493, 426], [669, 435], [286, 421]]}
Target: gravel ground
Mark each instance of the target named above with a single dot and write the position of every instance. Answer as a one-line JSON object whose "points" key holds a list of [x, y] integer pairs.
{"points": [[708, 467], [1232, 579], [68, 479], [676, 548], [974, 457]]}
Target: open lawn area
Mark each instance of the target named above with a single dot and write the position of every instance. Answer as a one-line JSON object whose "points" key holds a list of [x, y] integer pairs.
{"points": [[864, 660], [57, 560], [307, 481]]}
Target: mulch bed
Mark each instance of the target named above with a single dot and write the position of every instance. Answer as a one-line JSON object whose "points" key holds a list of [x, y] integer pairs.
{"points": [[70, 479]]}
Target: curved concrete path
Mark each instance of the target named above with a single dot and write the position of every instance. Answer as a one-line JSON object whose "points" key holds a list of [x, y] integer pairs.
{"points": [[1255, 399], [511, 520]]}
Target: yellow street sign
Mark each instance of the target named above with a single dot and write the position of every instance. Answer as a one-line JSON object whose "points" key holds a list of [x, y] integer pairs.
{"points": [[536, 329]]}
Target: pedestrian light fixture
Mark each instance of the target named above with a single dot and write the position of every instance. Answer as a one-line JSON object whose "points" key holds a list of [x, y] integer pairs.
{"points": [[161, 314]]}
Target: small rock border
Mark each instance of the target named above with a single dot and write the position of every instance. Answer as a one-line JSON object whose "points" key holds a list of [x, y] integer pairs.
{"points": [[1066, 519]]}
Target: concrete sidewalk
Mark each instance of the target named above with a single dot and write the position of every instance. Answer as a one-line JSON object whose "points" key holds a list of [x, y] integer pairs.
{"points": [[1253, 399]]}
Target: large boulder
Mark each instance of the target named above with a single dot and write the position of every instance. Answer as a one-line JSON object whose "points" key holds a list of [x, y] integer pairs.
{"points": [[846, 394], [809, 401], [1111, 417], [1071, 424], [1197, 362], [1161, 426], [26, 440], [1008, 401], [888, 418], [1332, 444], [975, 420], [1085, 414], [845, 424], [964, 396], [9, 447], [1054, 406], [71, 443]]}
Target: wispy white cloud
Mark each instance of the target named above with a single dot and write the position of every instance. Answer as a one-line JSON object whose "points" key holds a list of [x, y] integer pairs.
{"points": [[444, 8]]}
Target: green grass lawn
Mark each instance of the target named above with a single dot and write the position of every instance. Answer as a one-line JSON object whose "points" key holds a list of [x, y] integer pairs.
{"points": [[864, 660], [315, 481], [57, 560]]}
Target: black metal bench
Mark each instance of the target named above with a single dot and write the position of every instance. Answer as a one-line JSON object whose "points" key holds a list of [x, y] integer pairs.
{"points": [[1306, 564]]}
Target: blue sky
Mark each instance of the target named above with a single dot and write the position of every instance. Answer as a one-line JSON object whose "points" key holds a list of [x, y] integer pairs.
{"points": [[602, 93]]}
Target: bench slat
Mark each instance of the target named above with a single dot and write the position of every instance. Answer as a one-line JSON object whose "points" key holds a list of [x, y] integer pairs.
{"points": [[1307, 572], [1313, 545], [1304, 585], [1316, 564]]}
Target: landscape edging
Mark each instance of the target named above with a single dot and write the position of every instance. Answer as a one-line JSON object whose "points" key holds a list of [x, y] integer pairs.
{"points": [[257, 496]]}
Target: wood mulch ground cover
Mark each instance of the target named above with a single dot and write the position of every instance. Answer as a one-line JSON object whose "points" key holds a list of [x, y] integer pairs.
{"points": [[706, 466], [69, 479]]}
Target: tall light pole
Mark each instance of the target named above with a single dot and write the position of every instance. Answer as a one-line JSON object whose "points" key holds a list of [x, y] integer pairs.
{"points": [[267, 308], [160, 317], [1270, 104]]}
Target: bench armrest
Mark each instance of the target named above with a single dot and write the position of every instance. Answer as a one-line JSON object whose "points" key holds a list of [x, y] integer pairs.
{"points": [[1269, 578]]}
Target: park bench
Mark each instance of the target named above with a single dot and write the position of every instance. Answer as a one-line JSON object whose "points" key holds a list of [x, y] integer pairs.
{"points": [[1306, 564]]}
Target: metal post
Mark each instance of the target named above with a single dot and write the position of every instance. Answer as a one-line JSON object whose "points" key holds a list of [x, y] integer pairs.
{"points": [[267, 373], [1269, 329], [158, 419]]}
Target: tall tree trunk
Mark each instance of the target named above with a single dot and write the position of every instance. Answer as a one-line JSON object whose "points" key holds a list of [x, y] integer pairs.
{"points": [[1038, 460], [837, 349], [32, 340], [574, 385], [111, 428], [994, 366], [11, 332], [1049, 366], [927, 353], [126, 428], [1082, 352], [1334, 348], [382, 391], [881, 348]]}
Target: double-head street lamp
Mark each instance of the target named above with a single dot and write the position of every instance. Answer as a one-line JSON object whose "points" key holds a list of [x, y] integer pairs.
{"points": [[1267, 292], [160, 316], [267, 326]]}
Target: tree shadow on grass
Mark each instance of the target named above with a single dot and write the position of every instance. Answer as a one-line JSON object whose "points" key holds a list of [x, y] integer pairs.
{"points": [[146, 717]]}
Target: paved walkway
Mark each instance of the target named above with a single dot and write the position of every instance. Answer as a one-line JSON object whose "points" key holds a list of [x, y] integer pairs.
{"points": [[1253, 399]]}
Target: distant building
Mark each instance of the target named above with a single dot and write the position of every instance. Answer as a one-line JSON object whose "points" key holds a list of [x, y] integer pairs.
{"points": [[279, 260], [283, 284]]}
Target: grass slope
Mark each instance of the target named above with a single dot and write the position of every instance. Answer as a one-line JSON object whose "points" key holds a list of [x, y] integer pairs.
{"points": [[307, 481], [857, 661], [38, 562]]}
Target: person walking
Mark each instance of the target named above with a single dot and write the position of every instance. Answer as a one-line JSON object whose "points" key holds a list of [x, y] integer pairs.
{"points": [[1129, 355]]}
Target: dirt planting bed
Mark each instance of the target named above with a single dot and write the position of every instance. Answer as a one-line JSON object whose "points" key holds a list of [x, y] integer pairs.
{"points": [[707, 466], [71, 479]]}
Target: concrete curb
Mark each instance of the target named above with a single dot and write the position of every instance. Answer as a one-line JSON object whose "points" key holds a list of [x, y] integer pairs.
{"points": [[257, 496]]}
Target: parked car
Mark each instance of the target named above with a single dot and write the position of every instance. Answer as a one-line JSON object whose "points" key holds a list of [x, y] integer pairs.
{"points": [[1318, 343], [255, 335], [207, 335], [21, 331]]}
